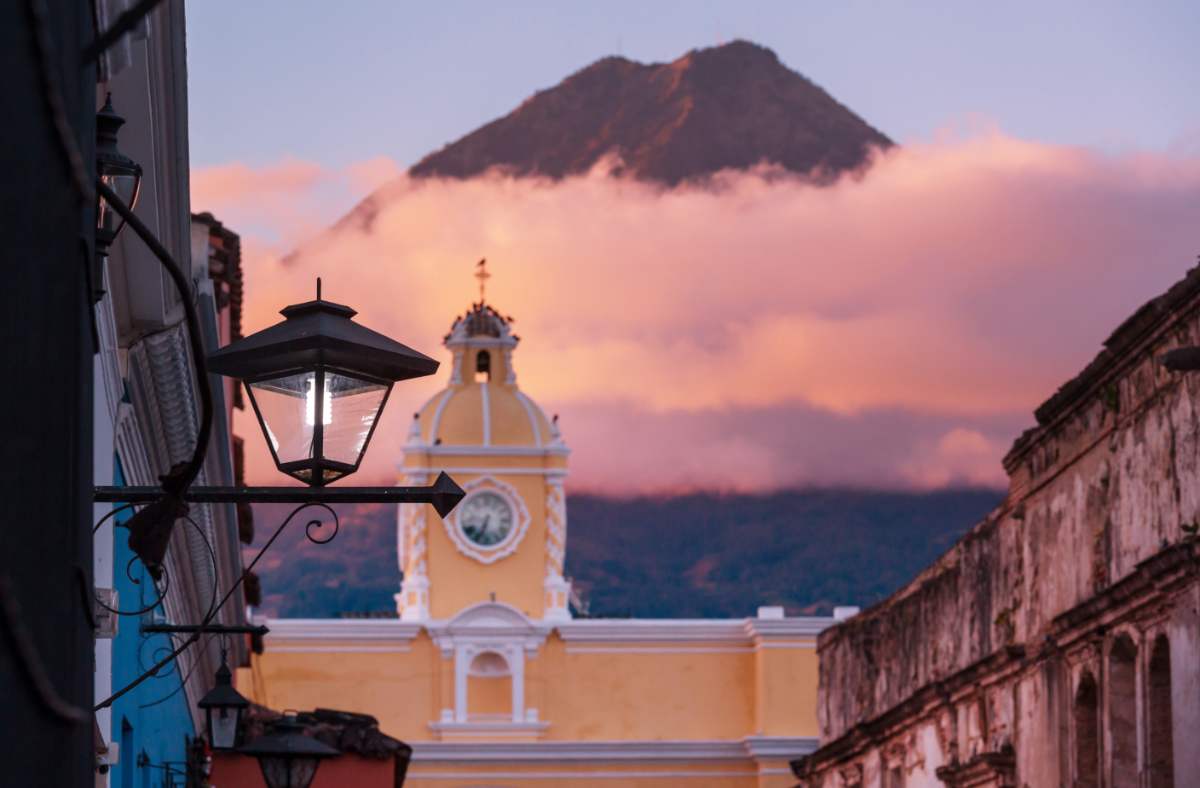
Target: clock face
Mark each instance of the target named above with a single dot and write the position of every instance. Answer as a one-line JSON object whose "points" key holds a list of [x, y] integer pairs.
{"points": [[485, 518]]}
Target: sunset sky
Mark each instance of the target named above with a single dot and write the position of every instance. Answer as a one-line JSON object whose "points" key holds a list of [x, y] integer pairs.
{"points": [[893, 330]]}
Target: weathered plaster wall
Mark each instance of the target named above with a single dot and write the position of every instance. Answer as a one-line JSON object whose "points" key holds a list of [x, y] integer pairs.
{"points": [[1109, 479]]}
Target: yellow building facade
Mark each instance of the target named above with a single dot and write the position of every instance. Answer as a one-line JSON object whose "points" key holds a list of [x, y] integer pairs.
{"points": [[486, 672]]}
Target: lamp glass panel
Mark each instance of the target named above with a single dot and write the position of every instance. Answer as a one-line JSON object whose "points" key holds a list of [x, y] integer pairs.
{"points": [[288, 408], [288, 771], [353, 406], [222, 727], [127, 186]]}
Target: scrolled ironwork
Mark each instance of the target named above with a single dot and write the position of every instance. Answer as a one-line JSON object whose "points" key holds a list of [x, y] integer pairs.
{"points": [[161, 587], [111, 514], [162, 593], [318, 524], [311, 532]]}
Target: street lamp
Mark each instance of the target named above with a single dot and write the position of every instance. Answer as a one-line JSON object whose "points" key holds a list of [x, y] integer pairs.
{"points": [[116, 171], [287, 757], [223, 706], [318, 382]]}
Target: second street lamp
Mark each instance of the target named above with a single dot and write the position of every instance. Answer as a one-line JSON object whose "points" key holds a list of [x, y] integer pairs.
{"points": [[223, 707]]}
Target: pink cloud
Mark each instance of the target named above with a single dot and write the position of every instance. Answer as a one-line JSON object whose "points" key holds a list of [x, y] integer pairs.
{"points": [[931, 303]]}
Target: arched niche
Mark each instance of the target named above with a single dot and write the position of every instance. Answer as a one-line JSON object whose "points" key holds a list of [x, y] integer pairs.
{"points": [[1122, 711], [489, 688], [1085, 721]]}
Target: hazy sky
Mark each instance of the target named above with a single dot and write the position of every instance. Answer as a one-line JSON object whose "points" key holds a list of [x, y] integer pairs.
{"points": [[337, 83], [891, 330]]}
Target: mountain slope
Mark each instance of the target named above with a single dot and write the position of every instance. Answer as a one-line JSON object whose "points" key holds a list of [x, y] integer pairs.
{"points": [[697, 555], [732, 106]]}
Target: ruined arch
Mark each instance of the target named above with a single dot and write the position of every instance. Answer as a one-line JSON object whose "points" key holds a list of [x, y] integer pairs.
{"points": [[1160, 746], [1122, 711], [1085, 718]]}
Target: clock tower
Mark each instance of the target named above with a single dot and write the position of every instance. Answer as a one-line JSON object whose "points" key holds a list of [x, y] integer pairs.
{"points": [[505, 541]]}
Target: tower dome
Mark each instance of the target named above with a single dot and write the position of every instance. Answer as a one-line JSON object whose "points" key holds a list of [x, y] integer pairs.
{"points": [[482, 405]]}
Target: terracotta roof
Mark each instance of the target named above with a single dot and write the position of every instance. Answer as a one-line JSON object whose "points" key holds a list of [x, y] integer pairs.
{"points": [[345, 731]]}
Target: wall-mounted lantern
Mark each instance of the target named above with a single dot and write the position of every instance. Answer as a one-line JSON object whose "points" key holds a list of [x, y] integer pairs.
{"points": [[223, 705], [318, 382], [116, 171]]}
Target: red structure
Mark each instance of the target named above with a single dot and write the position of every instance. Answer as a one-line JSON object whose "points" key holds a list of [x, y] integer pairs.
{"points": [[369, 758]]}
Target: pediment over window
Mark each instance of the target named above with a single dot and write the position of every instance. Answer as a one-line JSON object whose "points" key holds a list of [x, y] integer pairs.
{"points": [[490, 615], [489, 624]]}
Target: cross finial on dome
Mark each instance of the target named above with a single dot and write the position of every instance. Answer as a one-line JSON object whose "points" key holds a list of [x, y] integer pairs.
{"points": [[481, 273]]}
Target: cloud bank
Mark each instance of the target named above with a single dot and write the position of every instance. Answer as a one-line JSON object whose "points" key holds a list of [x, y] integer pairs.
{"points": [[893, 329]]}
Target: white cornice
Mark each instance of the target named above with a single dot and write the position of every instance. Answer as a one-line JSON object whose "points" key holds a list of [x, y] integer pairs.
{"points": [[483, 470], [632, 751], [325, 629], [500, 450], [494, 729], [740, 631], [800, 626], [589, 635], [489, 777], [787, 747]]}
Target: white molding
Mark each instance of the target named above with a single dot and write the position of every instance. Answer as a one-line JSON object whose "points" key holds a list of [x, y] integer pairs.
{"points": [[529, 407], [549, 473], [487, 777], [775, 747], [510, 373], [348, 648], [742, 631], [491, 553], [487, 624], [481, 628], [417, 585], [799, 626], [614, 752], [486, 405], [500, 450], [436, 421], [681, 649], [494, 729], [349, 629], [589, 635]]}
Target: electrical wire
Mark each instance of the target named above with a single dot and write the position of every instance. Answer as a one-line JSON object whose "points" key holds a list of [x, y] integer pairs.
{"points": [[31, 663]]}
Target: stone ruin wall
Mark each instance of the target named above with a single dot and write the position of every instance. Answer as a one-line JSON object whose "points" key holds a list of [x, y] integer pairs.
{"points": [[1109, 478]]}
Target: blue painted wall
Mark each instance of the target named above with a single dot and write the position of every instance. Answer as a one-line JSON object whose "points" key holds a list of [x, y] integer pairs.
{"points": [[154, 717]]}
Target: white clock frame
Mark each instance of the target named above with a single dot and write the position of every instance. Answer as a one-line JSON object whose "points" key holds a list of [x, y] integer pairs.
{"points": [[506, 546]]}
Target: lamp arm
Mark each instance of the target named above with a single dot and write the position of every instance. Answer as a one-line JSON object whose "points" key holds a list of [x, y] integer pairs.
{"points": [[176, 482]]}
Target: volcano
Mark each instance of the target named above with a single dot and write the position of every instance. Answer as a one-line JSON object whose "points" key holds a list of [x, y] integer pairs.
{"points": [[733, 106]]}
